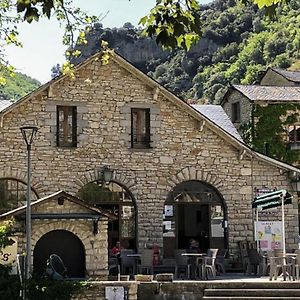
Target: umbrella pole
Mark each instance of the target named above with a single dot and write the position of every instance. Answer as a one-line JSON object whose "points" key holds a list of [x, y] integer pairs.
{"points": [[256, 232], [282, 224]]}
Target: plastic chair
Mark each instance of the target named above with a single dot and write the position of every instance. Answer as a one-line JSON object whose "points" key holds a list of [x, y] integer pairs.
{"points": [[146, 261], [266, 261], [279, 264], [220, 260], [296, 265], [243, 246], [209, 264], [255, 262], [182, 264]]}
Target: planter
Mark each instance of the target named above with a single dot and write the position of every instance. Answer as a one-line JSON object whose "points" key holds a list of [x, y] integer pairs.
{"points": [[141, 277], [124, 277], [165, 277]]}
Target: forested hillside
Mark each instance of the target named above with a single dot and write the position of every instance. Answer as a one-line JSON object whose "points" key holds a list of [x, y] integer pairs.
{"points": [[238, 42], [18, 86]]}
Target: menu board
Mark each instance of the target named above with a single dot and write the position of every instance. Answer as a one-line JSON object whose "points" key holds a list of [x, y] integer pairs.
{"points": [[269, 234]]}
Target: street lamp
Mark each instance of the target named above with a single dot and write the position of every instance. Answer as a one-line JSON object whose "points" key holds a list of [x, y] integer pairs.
{"points": [[28, 133], [106, 174]]}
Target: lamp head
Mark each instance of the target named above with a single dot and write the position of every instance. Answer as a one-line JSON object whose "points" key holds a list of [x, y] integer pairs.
{"points": [[107, 174], [28, 133]]}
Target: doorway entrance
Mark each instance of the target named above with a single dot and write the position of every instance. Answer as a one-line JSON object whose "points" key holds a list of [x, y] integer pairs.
{"points": [[194, 211], [67, 246]]}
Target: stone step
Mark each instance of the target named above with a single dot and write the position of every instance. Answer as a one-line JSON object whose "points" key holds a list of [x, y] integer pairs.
{"points": [[253, 292]]}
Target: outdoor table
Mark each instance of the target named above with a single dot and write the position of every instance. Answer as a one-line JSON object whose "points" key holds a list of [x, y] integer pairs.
{"points": [[197, 259], [286, 266]]}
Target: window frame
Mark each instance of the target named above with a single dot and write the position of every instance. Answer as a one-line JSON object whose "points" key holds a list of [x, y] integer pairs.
{"points": [[144, 140], [67, 111], [236, 112], [17, 188], [295, 139]]}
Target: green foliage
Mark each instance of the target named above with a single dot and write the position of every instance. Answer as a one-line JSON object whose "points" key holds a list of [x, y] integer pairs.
{"points": [[9, 284], [6, 230], [93, 193], [18, 86], [238, 43], [174, 23], [270, 129], [46, 289], [37, 287]]}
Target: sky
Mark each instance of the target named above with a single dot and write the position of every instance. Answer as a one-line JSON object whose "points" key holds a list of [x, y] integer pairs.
{"points": [[42, 41]]}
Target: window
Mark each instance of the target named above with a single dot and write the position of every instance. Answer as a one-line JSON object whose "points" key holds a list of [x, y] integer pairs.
{"points": [[140, 128], [13, 194], [66, 126], [235, 113], [294, 133]]}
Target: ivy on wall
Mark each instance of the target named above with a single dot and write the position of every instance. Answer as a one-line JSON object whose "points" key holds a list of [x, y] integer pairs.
{"points": [[270, 128]]}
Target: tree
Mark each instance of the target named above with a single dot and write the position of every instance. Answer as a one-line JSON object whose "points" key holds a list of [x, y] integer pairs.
{"points": [[173, 23]]}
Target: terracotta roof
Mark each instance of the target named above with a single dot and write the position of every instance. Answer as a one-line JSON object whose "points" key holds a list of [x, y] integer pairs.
{"points": [[289, 75], [4, 104], [269, 93], [217, 115]]}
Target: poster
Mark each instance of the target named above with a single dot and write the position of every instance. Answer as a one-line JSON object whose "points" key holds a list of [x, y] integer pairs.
{"points": [[269, 234], [169, 211]]}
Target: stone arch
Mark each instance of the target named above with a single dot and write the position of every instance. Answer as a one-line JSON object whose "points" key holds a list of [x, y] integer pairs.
{"points": [[20, 175], [128, 185], [192, 173], [119, 177], [60, 225], [21, 181], [67, 246]]}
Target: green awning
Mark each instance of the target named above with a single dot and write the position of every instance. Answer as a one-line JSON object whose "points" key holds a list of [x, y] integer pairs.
{"points": [[272, 199]]}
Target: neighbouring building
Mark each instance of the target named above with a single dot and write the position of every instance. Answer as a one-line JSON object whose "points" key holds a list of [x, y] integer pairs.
{"points": [[267, 117], [279, 77], [178, 173]]}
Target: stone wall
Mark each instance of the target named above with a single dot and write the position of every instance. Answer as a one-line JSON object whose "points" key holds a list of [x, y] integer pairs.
{"points": [[245, 108], [96, 290], [181, 151]]}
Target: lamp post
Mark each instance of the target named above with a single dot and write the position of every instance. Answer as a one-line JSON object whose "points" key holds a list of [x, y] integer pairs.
{"points": [[28, 133]]}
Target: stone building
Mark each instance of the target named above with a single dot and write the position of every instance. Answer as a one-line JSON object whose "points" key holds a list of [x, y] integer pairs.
{"points": [[177, 174], [267, 117], [64, 225], [279, 77]]}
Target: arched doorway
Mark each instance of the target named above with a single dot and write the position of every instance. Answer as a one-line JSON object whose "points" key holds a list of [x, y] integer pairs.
{"points": [[66, 245], [194, 210], [118, 200]]}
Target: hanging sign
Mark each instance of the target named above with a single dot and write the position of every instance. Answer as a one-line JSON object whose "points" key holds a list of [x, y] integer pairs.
{"points": [[8, 255]]}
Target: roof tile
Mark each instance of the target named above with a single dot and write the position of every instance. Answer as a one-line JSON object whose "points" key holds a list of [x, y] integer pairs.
{"points": [[270, 93]]}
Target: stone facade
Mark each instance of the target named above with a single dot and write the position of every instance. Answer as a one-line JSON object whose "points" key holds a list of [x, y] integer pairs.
{"points": [[94, 243], [97, 290], [179, 150]]}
